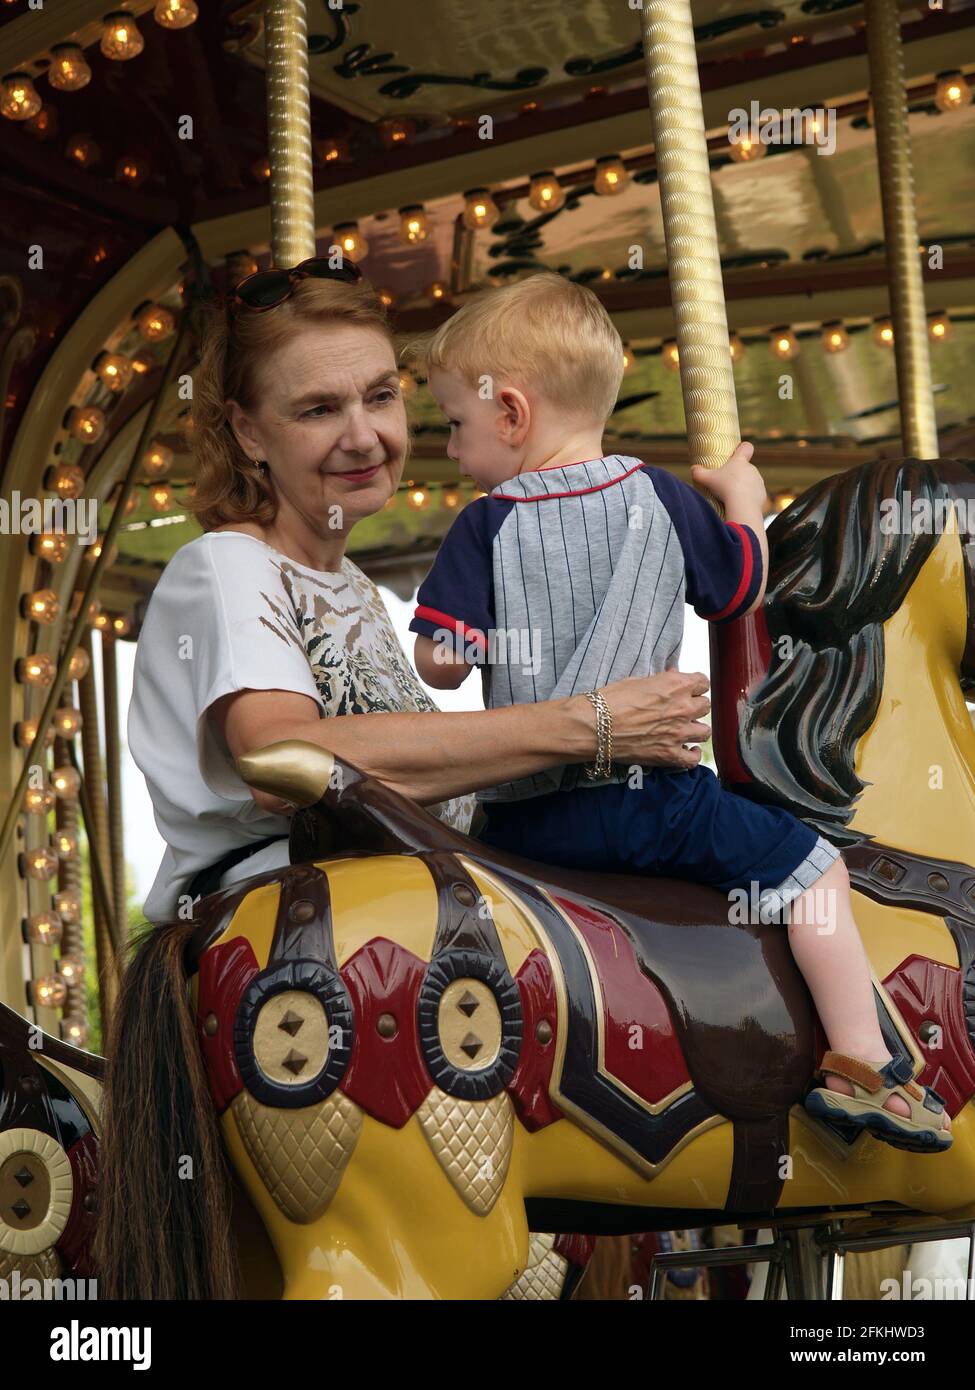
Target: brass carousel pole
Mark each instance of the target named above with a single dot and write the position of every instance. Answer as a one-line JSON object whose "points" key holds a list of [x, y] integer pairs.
{"points": [[919, 429], [113, 778], [684, 175], [96, 829], [289, 132]]}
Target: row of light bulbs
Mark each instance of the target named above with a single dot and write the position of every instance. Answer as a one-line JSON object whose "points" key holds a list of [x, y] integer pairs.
{"points": [[952, 93], [785, 345], [545, 194], [68, 70]]}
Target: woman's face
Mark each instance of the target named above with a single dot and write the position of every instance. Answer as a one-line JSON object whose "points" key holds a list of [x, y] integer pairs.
{"points": [[331, 424]]}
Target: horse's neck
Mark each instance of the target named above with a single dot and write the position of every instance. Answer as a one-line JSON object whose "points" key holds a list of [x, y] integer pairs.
{"points": [[919, 755]]}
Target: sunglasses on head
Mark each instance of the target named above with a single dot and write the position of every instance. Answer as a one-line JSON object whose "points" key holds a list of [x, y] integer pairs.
{"points": [[266, 289]]}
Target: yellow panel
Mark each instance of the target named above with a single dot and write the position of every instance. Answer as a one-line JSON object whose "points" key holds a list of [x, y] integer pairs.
{"points": [[389, 895], [891, 934]]}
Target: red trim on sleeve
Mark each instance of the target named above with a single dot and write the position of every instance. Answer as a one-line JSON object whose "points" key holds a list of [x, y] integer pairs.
{"points": [[746, 575], [574, 492], [433, 615]]}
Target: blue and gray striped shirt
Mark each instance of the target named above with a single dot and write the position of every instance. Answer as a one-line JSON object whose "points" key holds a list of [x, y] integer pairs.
{"points": [[564, 580]]}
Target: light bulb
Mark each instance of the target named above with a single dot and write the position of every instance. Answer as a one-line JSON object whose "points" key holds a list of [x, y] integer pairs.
{"points": [[480, 209], [952, 92], [42, 606], [331, 151], [52, 546], [414, 225], [628, 359], [41, 863], [349, 240], [75, 1031], [387, 297], [737, 348], [68, 907], [745, 150], [161, 497], [143, 361], [26, 731], [155, 322], [671, 355], [44, 929], [121, 39], [939, 326], [39, 669], [38, 800], [611, 176], [451, 498], [157, 460], [45, 124], [835, 337], [66, 479], [69, 70], [121, 626], [79, 665], [396, 132], [883, 333], [67, 721], [71, 969], [438, 290], [407, 384], [784, 344], [132, 169], [114, 370], [261, 168], [545, 193], [50, 991], [84, 151], [87, 423], [19, 100], [66, 843], [418, 497], [176, 14], [66, 783]]}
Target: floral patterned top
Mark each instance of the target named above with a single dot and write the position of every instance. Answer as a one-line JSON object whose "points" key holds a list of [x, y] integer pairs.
{"points": [[230, 614]]}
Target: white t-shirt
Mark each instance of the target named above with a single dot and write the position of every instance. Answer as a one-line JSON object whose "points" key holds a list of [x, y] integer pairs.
{"points": [[230, 613]]}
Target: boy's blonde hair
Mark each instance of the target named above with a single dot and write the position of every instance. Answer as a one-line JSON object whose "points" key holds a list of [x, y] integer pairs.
{"points": [[544, 332]]}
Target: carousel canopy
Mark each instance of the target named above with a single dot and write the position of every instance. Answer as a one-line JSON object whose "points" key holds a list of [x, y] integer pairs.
{"points": [[543, 114]]}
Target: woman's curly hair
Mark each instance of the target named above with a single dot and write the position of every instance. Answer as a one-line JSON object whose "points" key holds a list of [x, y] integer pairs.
{"points": [[229, 486]]}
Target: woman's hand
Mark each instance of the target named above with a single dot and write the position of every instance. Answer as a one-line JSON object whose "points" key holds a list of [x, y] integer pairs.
{"points": [[653, 717]]}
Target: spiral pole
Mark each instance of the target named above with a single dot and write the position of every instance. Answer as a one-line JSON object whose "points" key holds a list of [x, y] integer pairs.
{"points": [[919, 430], [289, 132], [684, 176]]}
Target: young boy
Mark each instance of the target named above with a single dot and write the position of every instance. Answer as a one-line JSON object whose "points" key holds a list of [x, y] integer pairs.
{"points": [[573, 573]]}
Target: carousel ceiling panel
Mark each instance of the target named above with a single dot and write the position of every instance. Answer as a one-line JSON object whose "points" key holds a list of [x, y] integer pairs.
{"points": [[452, 56], [791, 205]]}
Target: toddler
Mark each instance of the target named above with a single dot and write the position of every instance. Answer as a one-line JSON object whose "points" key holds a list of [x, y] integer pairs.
{"points": [[572, 573]]}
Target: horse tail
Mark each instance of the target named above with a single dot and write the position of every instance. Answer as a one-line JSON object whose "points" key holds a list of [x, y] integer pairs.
{"points": [[164, 1193]]}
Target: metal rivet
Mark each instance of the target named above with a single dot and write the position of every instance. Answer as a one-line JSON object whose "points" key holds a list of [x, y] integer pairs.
{"points": [[386, 1026], [543, 1032], [464, 894], [210, 1025], [29, 1085], [938, 882], [88, 1201], [301, 911]]}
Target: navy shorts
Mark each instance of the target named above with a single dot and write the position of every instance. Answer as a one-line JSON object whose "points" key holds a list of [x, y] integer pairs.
{"points": [[677, 825]]}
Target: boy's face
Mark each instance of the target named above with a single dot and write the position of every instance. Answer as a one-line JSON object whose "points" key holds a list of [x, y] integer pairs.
{"points": [[475, 430]]}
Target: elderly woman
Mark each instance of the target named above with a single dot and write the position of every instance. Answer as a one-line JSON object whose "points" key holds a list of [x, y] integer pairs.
{"points": [[262, 629]]}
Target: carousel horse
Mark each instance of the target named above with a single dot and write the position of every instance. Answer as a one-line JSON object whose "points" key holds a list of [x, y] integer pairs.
{"points": [[373, 1074]]}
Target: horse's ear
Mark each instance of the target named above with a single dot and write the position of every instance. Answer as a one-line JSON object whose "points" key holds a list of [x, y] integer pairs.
{"points": [[340, 808]]}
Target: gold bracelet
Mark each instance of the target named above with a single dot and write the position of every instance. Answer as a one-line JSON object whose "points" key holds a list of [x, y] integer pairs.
{"points": [[604, 737]]}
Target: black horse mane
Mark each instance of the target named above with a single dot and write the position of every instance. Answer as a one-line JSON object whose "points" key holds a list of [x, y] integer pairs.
{"points": [[835, 577]]}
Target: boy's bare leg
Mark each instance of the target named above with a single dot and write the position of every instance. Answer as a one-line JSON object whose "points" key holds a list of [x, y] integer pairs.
{"points": [[828, 950]]}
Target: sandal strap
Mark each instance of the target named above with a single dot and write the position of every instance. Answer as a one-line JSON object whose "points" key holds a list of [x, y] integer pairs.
{"points": [[897, 1073]]}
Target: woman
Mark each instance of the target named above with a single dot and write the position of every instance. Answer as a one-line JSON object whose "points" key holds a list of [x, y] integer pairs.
{"points": [[262, 629]]}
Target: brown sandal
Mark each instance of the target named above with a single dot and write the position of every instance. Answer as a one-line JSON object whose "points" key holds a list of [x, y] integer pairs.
{"points": [[873, 1083]]}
